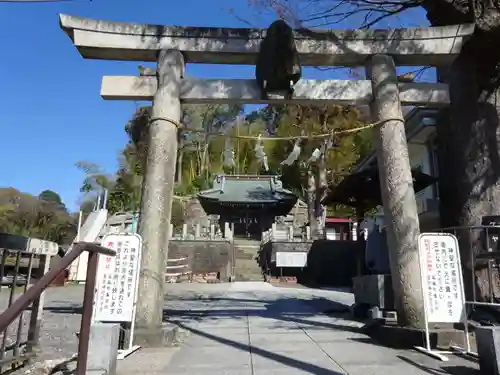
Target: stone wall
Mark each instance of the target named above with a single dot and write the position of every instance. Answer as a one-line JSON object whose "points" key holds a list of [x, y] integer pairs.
{"points": [[329, 263], [204, 256]]}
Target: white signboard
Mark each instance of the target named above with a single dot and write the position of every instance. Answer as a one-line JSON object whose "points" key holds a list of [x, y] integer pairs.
{"points": [[291, 259], [442, 282], [42, 247], [117, 277]]}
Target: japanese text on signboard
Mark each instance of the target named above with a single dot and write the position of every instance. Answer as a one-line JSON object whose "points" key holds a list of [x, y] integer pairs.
{"points": [[117, 279], [441, 278]]}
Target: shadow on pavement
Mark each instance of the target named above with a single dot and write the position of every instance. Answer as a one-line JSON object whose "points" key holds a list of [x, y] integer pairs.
{"points": [[291, 362], [293, 312], [64, 309], [442, 370]]}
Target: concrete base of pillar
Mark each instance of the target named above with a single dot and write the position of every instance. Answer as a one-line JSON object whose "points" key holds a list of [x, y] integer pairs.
{"points": [[165, 335], [394, 336], [103, 348], [34, 336], [488, 348]]}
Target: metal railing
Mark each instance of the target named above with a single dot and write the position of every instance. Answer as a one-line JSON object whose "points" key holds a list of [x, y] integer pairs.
{"points": [[288, 234], [479, 250], [480, 253], [199, 232], [24, 268]]}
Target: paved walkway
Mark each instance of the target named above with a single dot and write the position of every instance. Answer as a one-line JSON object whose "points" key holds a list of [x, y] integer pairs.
{"points": [[256, 329]]}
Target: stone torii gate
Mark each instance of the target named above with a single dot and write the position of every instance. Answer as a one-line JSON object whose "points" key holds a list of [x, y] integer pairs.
{"points": [[172, 47]]}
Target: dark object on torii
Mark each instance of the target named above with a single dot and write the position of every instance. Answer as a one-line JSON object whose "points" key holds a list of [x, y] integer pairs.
{"points": [[277, 68]]}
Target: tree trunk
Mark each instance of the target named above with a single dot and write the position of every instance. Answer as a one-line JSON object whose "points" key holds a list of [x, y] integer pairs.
{"points": [[321, 185], [180, 154], [203, 160], [311, 199], [468, 131], [469, 160]]}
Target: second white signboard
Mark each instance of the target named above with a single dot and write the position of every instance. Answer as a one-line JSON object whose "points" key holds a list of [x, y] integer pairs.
{"points": [[289, 259], [442, 281]]}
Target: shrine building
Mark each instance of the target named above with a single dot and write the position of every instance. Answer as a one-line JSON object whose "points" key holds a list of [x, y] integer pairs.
{"points": [[249, 202]]}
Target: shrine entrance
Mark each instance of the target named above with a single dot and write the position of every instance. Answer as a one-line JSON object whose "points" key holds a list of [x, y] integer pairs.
{"points": [[379, 51]]}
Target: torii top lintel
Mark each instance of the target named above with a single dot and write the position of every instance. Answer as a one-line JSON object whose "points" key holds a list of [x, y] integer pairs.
{"points": [[97, 39]]}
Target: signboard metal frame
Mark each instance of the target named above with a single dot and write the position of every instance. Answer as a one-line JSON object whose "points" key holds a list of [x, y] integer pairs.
{"points": [[423, 262], [106, 241]]}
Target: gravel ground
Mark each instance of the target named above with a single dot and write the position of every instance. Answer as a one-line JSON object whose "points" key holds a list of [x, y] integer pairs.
{"points": [[62, 314], [61, 320]]}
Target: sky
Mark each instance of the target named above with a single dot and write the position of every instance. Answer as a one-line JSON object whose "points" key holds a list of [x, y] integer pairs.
{"points": [[51, 113]]}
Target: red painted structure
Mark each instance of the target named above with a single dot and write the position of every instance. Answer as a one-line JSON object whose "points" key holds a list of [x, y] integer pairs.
{"points": [[339, 228]]}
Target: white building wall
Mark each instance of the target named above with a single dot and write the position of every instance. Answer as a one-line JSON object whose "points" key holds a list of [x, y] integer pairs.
{"points": [[427, 203]]}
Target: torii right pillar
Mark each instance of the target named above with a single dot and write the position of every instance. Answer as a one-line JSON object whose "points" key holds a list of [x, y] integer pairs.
{"points": [[398, 194]]}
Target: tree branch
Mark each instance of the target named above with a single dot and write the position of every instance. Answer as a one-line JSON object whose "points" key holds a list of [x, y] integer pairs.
{"points": [[329, 12]]}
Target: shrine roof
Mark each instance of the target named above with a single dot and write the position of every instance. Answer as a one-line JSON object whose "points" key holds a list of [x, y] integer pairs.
{"points": [[247, 189]]}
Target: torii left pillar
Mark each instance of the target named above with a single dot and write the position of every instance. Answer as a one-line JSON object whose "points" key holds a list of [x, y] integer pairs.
{"points": [[398, 195], [156, 199]]}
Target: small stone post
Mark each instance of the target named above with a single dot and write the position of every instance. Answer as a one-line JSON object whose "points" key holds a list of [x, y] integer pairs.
{"points": [[170, 233], [156, 201], [227, 231], [35, 323], [398, 195]]}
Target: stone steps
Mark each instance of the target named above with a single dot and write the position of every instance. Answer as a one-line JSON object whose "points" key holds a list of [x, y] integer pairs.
{"points": [[247, 268]]}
